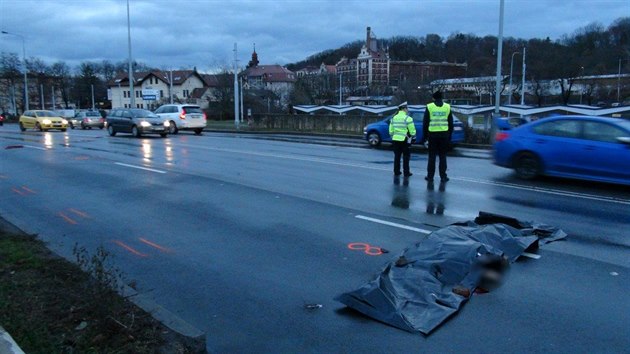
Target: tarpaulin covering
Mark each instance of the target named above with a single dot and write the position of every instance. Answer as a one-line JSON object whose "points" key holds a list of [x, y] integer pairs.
{"points": [[415, 291]]}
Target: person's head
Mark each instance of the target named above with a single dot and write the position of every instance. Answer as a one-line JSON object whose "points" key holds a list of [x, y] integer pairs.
{"points": [[402, 106], [437, 95]]}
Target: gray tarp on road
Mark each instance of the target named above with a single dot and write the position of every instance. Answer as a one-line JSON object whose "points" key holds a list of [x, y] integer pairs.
{"points": [[414, 292]]}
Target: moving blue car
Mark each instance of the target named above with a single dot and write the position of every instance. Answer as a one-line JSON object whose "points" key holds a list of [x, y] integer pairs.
{"points": [[376, 133], [581, 147]]}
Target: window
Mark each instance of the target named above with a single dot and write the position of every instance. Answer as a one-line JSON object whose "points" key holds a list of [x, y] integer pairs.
{"points": [[600, 131], [560, 128], [137, 94]]}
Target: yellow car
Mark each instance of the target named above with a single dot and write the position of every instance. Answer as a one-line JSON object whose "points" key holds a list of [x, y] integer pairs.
{"points": [[42, 120]]}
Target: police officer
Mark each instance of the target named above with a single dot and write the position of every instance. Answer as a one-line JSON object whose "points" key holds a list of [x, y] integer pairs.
{"points": [[403, 132], [437, 128]]}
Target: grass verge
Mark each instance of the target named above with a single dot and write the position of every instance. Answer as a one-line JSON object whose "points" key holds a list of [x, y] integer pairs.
{"points": [[49, 305]]}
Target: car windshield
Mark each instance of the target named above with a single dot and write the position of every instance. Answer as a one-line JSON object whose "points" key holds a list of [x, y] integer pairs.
{"points": [[625, 124], [143, 113], [46, 114]]}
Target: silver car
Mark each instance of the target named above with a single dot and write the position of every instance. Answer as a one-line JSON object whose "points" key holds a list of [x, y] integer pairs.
{"points": [[87, 120]]}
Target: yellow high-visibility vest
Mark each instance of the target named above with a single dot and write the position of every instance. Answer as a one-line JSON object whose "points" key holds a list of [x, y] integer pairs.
{"points": [[438, 121], [400, 124]]}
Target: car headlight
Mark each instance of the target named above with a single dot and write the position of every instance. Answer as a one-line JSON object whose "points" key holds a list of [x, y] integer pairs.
{"points": [[145, 124], [63, 121], [46, 121], [167, 123]]}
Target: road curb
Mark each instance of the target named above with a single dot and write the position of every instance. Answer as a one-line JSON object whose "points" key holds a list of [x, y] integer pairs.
{"points": [[7, 344], [194, 338]]}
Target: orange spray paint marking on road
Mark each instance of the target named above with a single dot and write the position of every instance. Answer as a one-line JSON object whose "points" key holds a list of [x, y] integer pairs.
{"points": [[15, 190], [67, 219], [28, 190], [80, 213], [366, 248], [163, 249], [129, 248]]}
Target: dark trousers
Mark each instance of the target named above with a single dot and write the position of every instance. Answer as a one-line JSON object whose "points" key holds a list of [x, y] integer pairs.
{"points": [[438, 146], [401, 148]]}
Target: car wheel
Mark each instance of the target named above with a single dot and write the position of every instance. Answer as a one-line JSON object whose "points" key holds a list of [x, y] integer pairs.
{"points": [[172, 129], [135, 131], [527, 166], [163, 135], [71, 126], [374, 139], [198, 131], [111, 131], [22, 127], [82, 126], [63, 130]]}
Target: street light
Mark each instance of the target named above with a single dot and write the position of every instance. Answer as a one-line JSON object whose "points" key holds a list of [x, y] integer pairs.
{"points": [[25, 70], [619, 79], [510, 87]]}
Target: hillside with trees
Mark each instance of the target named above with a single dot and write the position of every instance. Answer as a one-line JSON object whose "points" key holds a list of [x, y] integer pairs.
{"points": [[591, 50]]}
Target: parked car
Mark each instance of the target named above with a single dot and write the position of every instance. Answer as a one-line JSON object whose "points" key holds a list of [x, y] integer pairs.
{"points": [[183, 117], [87, 120], [136, 121], [377, 133], [582, 147], [42, 120]]}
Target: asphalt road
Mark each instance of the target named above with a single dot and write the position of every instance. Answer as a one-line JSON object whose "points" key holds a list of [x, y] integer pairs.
{"points": [[237, 233]]}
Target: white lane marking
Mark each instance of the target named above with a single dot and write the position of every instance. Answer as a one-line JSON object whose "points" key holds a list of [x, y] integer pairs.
{"points": [[35, 147], [379, 221], [547, 190], [531, 255], [139, 167]]}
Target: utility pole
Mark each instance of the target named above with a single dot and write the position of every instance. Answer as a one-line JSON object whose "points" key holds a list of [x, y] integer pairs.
{"points": [[523, 83], [236, 105], [132, 99], [497, 94]]}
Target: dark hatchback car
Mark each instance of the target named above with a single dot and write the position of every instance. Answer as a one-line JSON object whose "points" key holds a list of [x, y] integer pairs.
{"points": [[378, 132], [136, 121], [581, 147]]}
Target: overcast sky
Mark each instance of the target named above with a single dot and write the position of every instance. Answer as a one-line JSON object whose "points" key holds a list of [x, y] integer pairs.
{"points": [[182, 34]]}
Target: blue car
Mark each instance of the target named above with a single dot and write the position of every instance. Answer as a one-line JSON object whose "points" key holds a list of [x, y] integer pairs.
{"points": [[378, 132], [581, 147]]}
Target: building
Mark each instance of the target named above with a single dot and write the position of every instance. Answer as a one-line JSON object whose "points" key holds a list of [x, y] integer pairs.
{"points": [[153, 88], [420, 72], [275, 78]]}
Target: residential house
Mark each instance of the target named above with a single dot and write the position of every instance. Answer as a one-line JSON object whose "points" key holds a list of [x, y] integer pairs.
{"points": [[153, 88], [275, 78]]}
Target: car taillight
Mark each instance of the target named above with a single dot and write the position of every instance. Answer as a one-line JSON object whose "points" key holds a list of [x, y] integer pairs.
{"points": [[500, 136], [205, 117], [183, 114]]}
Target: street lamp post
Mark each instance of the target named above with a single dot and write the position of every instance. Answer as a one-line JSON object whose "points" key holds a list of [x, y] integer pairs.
{"points": [[619, 80], [510, 86], [511, 68], [25, 69]]}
